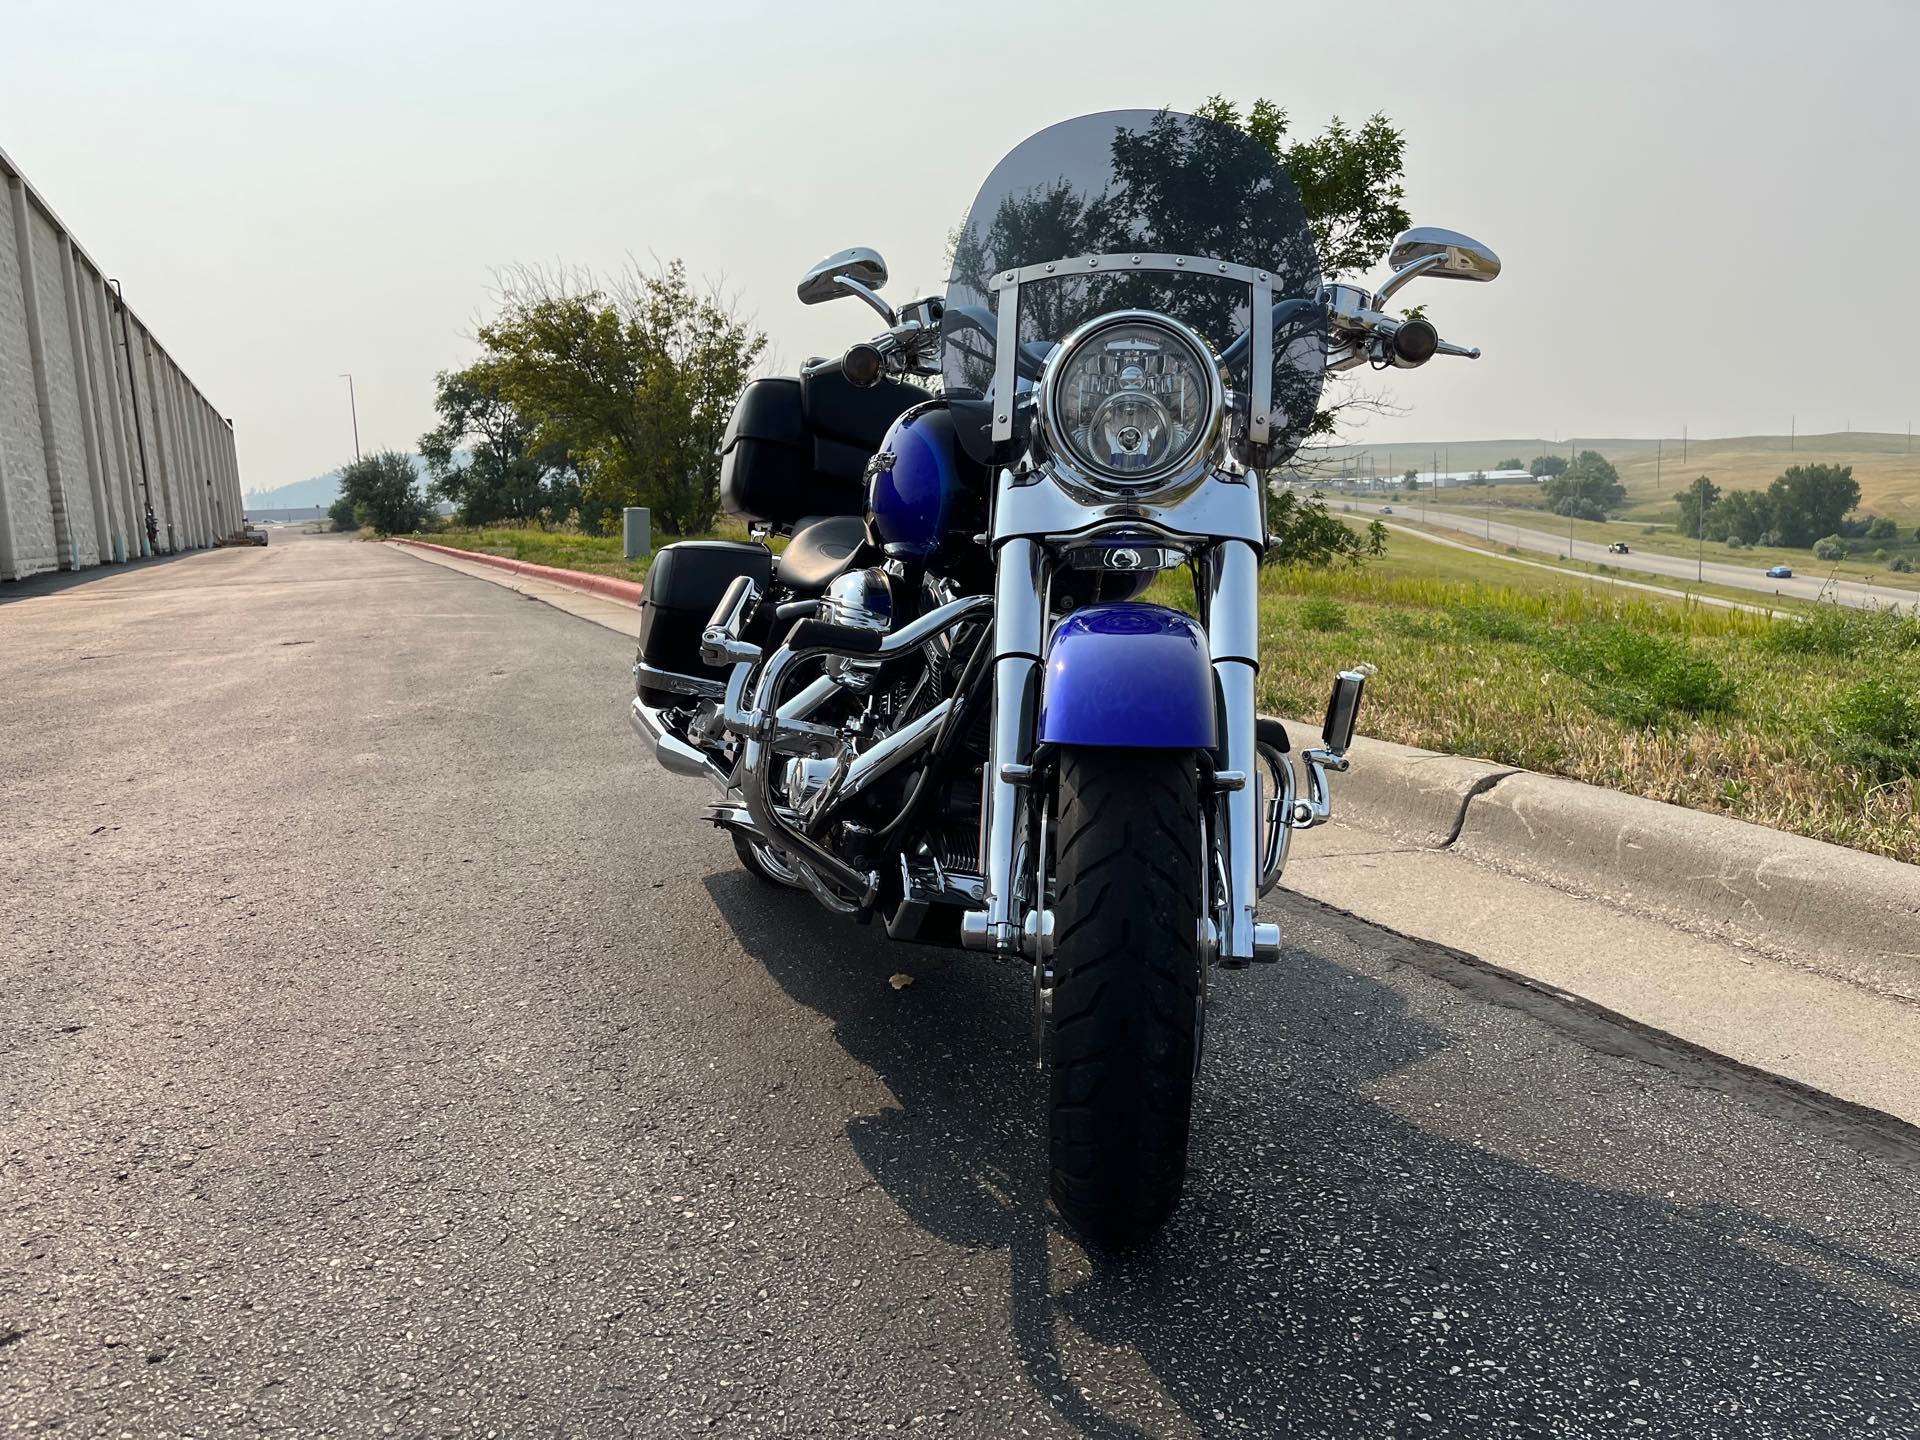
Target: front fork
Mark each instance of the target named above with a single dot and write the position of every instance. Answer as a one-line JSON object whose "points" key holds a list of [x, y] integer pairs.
{"points": [[1019, 635], [1233, 640], [1014, 922]]}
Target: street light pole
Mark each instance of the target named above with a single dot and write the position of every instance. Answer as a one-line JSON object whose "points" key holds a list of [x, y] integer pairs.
{"points": [[353, 409]]}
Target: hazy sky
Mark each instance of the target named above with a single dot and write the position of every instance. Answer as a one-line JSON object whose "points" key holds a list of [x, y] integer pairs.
{"points": [[1705, 209]]}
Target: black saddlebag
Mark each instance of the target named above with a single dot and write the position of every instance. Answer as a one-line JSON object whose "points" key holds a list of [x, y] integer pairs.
{"points": [[684, 584], [799, 448]]}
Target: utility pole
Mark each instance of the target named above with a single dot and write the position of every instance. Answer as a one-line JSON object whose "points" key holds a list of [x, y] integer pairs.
{"points": [[1683, 444], [353, 409], [1793, 432], [1659, 454], [1700, 529]]}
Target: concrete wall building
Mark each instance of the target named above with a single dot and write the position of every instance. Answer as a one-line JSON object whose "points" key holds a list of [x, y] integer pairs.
{"points": [[99, 428]]}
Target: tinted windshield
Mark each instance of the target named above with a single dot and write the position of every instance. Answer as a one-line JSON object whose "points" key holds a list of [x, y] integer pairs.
{"points": [[1142, 181]]}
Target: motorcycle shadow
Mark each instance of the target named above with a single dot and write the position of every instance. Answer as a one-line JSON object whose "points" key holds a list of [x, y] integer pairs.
{"points": [[1337, 1265]]}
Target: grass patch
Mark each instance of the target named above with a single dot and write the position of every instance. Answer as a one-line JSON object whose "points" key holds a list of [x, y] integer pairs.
{"points": [[1723, 710], [1875, 728], [570, 549], [1322, 613], [1641, 678], [1839, 630]]}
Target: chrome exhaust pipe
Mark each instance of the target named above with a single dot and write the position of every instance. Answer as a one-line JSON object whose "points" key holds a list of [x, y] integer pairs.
{"points": [[669, 749]]}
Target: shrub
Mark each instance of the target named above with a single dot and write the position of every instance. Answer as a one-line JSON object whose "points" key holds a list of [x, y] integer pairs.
{"points": [[1319, 612], [1640, 678], [1734, 542], [1883, 529], [1493, 622], [1883, 554], [383, 490], [1875, 727], [1830, 547], [1831, 629], [1900, 565]]}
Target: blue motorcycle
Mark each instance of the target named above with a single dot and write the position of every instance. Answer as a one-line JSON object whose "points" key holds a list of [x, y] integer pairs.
{"points": [[945, 701]]}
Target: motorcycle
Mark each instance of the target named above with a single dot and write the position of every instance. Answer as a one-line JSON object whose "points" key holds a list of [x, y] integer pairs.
{"points": [[946, 702]]}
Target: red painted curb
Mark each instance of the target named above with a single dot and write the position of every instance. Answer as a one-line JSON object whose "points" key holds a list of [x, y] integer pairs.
{"points": [[626, 591]]}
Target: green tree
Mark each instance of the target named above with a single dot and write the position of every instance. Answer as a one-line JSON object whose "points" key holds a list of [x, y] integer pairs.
{"points": [[1589, 488], [341, 514], [634, 380], [1696, 505], [1830, 547], [1811, 500], [1305, 532], [1743, 515], [1511, 465], [479, 457], [383, 490], [1545, 465], [1349, 179], [1883, 529]]}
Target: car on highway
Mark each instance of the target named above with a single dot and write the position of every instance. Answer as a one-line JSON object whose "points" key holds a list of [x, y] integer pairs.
{"points": [[1386, 509], [1780, 572], [1618, 547]]}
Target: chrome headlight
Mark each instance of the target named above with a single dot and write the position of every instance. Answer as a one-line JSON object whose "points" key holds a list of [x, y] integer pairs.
{"points": [[1131, 401]]}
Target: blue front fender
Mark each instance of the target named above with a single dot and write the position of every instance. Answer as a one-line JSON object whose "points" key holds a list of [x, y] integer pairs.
{"points": [[1128, 675]]}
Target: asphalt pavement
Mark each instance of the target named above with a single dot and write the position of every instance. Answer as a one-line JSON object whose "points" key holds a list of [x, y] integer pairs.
{"points": [[383, 1050], [1811, 584]]}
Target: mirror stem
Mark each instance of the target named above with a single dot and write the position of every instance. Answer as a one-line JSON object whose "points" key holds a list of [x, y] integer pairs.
{"points": [[1402, 276], [847, 282]]}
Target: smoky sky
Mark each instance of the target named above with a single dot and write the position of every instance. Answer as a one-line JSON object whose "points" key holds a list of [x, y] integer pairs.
{"points": [[1703, 208]]}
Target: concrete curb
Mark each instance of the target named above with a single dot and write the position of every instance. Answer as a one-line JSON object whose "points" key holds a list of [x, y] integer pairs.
{"points": [[626, 591], [1852, 915], [1838, 911], [1415, 795]]}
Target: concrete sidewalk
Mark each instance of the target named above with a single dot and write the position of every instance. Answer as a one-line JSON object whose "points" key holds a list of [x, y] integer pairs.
{"points": [[1399, 855]]}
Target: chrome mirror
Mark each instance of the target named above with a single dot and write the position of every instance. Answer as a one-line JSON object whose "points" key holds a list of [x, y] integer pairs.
{"points": [[858, 271], [1443, 254], [1460, 257]]}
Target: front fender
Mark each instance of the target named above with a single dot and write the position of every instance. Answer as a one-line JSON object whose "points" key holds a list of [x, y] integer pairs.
{"points": [[1128, 675]]}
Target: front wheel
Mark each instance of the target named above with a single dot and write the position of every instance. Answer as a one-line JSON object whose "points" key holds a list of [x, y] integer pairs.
{"points": [[1128, 988]]}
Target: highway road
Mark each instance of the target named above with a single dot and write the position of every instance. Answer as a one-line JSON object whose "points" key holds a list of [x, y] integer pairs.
{"points": [[1810, 585], [384, 1051]]}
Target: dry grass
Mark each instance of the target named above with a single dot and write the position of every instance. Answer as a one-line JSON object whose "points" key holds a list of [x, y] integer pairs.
{"points": [[1508, 675]]}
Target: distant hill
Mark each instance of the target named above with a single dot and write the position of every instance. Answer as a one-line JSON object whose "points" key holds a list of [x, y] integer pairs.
{"points": [[320, 490], [1889, 474]]}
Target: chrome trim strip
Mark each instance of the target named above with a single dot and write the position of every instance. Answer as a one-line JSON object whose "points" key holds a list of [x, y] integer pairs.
{"points": [[657, 679], [1090, 264], [1260, 342]]}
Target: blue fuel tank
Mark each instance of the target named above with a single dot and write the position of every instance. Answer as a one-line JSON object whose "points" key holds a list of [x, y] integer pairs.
{"points": [[925, 495]]}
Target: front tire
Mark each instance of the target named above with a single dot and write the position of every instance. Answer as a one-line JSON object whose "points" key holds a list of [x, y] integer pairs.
{"points": [[1128, 988]]}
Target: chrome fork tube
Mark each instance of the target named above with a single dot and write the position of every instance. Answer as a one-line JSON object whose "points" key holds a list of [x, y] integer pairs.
{"points": [[1233, 638], [1019, 631]]}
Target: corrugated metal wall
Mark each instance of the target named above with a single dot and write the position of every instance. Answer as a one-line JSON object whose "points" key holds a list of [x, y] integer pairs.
{"points": [[99, 428]]}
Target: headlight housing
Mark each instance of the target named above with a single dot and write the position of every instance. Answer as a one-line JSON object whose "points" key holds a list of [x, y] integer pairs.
{"points": [[1132, 401]]}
